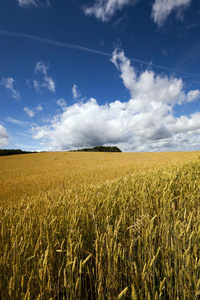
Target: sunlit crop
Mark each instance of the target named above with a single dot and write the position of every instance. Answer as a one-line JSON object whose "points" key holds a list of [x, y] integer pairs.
{"points": [[100, 226]]}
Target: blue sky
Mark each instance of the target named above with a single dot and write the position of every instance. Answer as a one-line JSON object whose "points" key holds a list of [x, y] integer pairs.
{"points": [[104, 72]]}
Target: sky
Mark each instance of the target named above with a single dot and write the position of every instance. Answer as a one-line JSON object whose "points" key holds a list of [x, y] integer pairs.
{"points": [[77, 74]]}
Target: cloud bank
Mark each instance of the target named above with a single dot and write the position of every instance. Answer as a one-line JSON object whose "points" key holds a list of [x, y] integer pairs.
{"points": [[4, 137], [146, 122], [161, 9], [105, 9]]}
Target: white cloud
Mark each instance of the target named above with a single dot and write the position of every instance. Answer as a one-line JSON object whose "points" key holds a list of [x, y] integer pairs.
{"points": [[184, 123], [193, 95], [144, 123], [41, 68], [61, 102], [47, 81], [49, 84], [105, 9], [35, 3], [161, 9], [75, 92], [29, 112], [160, 89], [39, 108], [36, 85], [4, 137], [9, 84], [17, 122], [147, 88], [26, 3]]}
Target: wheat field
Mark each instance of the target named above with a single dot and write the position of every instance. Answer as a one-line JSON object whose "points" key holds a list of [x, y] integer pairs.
{"points": [[100, 226]]}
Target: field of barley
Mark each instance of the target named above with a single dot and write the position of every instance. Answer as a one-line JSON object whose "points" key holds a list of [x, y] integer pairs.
{"points": [[77, 225]]}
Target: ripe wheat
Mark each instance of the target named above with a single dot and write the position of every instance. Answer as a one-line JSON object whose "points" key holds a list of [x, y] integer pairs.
{"points": [[113, 228]]}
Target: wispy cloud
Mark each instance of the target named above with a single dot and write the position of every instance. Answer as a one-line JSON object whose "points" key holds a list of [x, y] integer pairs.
{"points": [[32, 112], [75, 92], [77, 47], [61, 102], [17, 122], [105, 9], [161, 9], [9, 84], [26, 3], [29, 112], [39, 108], [35, 3], [41, 68], [48, 82], [119, 20], [36, 85]]}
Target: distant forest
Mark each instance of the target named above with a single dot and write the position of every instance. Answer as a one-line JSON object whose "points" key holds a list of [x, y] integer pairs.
{"points": [[101, 149], [5, 152]]}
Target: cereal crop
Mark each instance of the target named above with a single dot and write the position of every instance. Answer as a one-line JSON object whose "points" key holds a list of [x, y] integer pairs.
{"points": [[100, 226]]}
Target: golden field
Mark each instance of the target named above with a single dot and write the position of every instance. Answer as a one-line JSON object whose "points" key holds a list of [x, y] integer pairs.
{"points": [[76, 225], [29, 175]]}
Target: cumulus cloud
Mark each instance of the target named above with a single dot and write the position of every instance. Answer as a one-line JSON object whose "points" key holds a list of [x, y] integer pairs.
{"points": [[161, 9], [105, 9], [146, 122], [193, 95], [29, 112], [9, 84], [75, 92], [4, 137], [83, 125], [147, 85], [184, 123], [35, 3], [47, 82]]}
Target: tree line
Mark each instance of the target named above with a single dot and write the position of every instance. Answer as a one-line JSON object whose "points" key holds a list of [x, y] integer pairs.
{"points": [[101, 149], [5, 152]]}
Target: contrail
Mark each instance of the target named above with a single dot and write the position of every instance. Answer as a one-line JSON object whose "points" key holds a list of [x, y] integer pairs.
{"points": [[77, 47], [51, 42]]}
